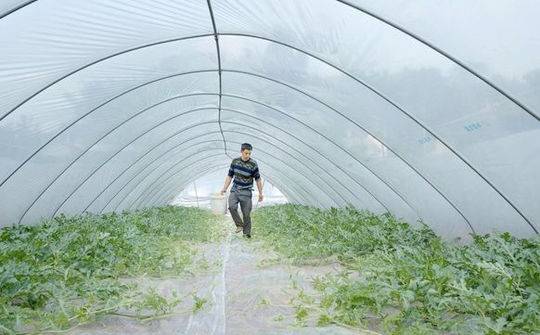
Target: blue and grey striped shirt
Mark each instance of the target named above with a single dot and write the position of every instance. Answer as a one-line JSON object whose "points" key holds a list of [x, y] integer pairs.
{"points": [[244, 172]]}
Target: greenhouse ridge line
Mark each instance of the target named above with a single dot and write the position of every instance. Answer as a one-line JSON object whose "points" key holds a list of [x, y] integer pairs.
{"points": [[251, 135], [178, 145], [216, 38], [217, 167], [103, 163], [173, 148], [177, 134], [146, 166], [273, 179]]}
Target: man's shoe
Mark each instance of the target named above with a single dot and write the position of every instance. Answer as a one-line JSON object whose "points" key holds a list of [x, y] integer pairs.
{"points": [[247, 235], [239, 229]]}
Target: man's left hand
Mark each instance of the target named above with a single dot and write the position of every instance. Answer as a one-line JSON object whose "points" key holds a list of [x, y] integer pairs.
{"points": [[260, 197]]}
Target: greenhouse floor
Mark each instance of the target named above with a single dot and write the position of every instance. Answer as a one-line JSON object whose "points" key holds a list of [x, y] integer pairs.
{"points": [[245, 291]]}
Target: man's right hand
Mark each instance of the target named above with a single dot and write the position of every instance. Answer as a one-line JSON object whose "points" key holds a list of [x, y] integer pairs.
{"points": [[222, 192]]}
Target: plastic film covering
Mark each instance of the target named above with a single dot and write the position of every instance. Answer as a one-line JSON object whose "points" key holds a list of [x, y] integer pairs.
{"points": [[496, 40], [164, 178], [170, 193], [149, 192], [440, 118], [387, 106], [64, 36], [155, 158], [121, 82], [351, 149]]}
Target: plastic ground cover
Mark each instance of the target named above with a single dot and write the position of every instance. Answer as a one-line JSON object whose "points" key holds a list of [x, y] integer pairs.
{"points": [[245, 291]]}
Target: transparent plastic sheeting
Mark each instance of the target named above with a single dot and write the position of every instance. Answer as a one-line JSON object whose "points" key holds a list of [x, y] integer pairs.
{"points": [[427, 110]]}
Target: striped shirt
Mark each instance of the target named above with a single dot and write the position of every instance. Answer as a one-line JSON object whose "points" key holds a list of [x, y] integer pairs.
{"points": [[244, 173]]}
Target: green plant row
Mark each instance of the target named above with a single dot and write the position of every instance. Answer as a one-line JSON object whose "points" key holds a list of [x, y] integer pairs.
{"points": [[68, 270], [405, 280]]}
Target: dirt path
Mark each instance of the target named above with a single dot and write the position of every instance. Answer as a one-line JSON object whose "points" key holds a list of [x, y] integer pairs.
{"points": [[246, 291]]}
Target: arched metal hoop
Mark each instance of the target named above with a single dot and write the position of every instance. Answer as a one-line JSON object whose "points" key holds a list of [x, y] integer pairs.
{"points": [[432, 133], [316, 185], [172, 191], [283, 113], [16, 8], [157, 167], [167, 196], [157, 185]]}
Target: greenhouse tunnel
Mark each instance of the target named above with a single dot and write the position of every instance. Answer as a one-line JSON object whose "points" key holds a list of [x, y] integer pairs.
{"points": [[429, 112]]}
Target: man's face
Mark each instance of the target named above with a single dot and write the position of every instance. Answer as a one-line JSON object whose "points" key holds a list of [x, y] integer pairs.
{"points": [[246, 154]]}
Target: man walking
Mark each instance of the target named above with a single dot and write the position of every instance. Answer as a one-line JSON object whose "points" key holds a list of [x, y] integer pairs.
{"points": [[244, 169]]}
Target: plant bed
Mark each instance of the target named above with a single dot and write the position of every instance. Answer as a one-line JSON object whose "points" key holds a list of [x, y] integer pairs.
{"points": [[69, 270], [404, 280]]}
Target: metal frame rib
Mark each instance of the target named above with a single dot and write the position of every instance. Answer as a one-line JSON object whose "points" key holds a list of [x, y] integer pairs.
{"points": [[216, 38]]}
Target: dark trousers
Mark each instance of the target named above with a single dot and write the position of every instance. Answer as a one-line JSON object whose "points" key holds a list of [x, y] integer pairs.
{"points": [[244, 198]]}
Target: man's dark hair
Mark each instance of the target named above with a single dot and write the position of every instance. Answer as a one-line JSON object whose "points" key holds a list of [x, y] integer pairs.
{"points": [[246, 146]]}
